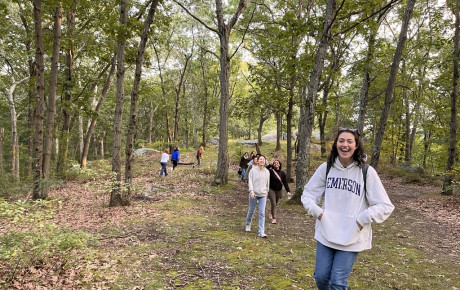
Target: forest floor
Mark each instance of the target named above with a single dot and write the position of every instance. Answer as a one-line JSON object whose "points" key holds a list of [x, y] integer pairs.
{"points": [[183, 232]]}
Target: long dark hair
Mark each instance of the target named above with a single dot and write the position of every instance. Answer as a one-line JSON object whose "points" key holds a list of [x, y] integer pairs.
{"points": [[359, 156]]}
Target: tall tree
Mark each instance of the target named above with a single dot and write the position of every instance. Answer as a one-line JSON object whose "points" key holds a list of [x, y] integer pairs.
{"points": [[178, 89], [48, 142], [64, 137], [389, 92], [37, 193], [14, 127], [31, 91], [309, 102], [131, 135], [97, 110], [223, 31], [447, 184], [117, 195]]}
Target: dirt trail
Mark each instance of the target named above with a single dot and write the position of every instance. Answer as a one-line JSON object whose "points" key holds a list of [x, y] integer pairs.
{"points": [[432, 220]]}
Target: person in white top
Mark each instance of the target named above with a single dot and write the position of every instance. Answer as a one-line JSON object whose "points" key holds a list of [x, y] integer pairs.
{"points": [[164, 162], [258, 183], [351, 203]]}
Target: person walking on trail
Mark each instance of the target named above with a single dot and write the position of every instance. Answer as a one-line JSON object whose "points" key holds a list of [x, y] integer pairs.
{"points": [[259, 182], [277, 180], [164, 163], [199, 155], [244, 165], [175, 158], [354, 197]]}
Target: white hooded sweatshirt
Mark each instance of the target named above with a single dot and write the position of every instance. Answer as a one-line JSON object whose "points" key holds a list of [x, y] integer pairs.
{"points": [[345, 203]]}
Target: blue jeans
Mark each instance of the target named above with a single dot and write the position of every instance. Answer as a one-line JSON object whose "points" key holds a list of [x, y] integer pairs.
{"points": [[333, 267], [163, 168], [252, 209], [243, 173]]}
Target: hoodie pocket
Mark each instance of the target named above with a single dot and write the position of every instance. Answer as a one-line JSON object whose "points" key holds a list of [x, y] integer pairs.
{"points": [[340, 229]]}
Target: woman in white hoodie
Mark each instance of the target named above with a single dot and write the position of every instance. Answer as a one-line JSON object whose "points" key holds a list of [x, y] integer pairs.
{"points": [[258, 183], [343, 225]]}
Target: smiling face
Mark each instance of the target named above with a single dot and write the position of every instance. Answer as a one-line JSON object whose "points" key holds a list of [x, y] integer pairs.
{"points": [[260, 161], [346, 146], [276, 164]]}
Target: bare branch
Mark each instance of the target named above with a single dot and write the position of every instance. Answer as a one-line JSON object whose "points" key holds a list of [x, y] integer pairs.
{"points": [[244, 35], [195, 17]]}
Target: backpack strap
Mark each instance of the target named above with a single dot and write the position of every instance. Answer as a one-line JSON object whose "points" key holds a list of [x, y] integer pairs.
{"points": [[364, 170], [365, 167]]}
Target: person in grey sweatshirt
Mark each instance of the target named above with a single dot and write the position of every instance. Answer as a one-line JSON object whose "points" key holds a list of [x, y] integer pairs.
{"points": [[351, 203], [258, 183]]}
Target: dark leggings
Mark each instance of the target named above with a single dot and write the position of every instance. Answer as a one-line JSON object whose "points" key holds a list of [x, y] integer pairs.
{"points": [[274, 196], [174, 162]]}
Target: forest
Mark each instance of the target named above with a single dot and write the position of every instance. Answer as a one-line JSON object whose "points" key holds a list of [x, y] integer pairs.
{"points": [[84, 84]]}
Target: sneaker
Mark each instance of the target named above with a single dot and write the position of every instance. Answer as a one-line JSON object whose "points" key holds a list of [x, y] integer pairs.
{"points": [[248, 228], [263, 236], [273, 221]]}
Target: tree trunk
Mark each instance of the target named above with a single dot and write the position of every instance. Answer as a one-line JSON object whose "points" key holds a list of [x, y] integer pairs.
{"points": [[92, 125], [131, 136], [289, 136], [389, 93], [37, 193], [165, 97], [102, 151], [2, 160], [224, 31], [31, 91], [14, 130], [151, 114], [187, 133], [116, 198], [279, 130], [206, 96], [48, 144], [307, 119], [426, 146], [322, 118], [364, 95], [68, 86], [178, 92], [259, 129], [447, 184]]}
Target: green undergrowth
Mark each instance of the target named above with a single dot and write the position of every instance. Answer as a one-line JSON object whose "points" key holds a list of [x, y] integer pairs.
{"points": [[43, 243]]}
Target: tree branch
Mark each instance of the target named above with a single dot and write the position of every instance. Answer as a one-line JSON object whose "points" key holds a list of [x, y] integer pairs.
{"points": [[241, 7], [244, 34], [383, 9], [195, 17]]}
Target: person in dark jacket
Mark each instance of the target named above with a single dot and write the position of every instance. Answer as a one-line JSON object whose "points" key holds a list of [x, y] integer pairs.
{"points": [[175, 158], [277, 180], [244, 165]]}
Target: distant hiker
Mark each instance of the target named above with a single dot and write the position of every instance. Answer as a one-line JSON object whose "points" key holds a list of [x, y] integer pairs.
{"points": [[244, 165], [277, 180], [175, 158], [354, 197], [164, 162], [199, 155], [250, 164], [259, 181]]}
